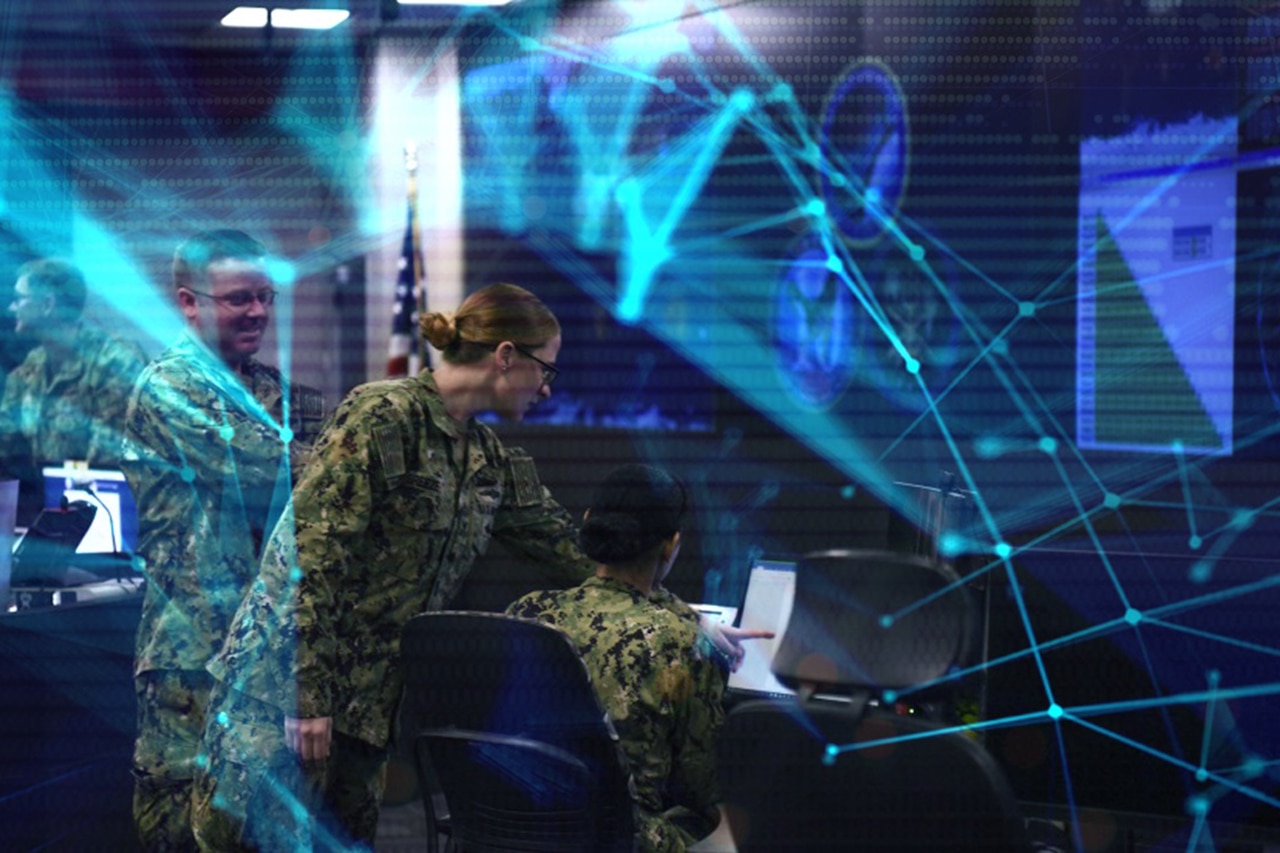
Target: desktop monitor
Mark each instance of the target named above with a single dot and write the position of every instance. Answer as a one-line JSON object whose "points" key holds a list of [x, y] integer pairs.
{"points": [[115, 526]]}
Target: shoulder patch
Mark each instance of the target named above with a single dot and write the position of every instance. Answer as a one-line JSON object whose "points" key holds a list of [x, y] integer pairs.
{"points": [[390, 450], [524, 477]]}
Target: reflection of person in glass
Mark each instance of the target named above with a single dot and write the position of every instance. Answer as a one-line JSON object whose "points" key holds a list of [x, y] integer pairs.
{"points": [[654, 672], [207, 455], [814, 321], [67, 399], [405, 490]]}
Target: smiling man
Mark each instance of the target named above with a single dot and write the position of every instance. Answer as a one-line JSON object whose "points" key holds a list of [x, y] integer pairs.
{"points": [[212, 438]]}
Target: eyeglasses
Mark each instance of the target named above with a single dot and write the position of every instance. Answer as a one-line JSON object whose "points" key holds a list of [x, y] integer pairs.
{"points": [[241, 299], [549, 371]]}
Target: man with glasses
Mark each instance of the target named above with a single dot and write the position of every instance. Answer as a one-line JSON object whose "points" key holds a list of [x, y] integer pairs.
{"points": [[213, 439]]}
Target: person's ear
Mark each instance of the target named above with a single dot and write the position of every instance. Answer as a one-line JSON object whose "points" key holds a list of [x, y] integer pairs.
{"points": [[47, 305], [671, 547], [187, 304], [503, 355]]}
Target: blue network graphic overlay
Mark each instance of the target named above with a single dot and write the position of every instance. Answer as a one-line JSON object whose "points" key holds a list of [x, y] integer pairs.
{"points": [[1022, 254], [1030, 255]]}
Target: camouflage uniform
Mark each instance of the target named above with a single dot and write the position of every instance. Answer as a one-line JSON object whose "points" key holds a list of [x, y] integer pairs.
{"points": [[72, 409], [397, 503], [207, 464], [657, 680]]}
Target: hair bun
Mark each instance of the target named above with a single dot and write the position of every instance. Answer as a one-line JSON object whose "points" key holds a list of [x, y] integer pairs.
{"points": [[439, 329], [612, 537]]}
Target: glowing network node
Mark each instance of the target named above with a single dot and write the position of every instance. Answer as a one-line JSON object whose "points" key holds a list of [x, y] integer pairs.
{"points": [[829, 754], [913, 366], [890, 696], [1111, 500], [666, 85], [286, 434], [886, 621], [1048, 444], [815, 207], [1201, 571], [1003, 550], [295, 575], [950, 544], [281, 272], [224, 719], [916, 252], [848, 492], [1055, 711], [1026, 309], [835, 264], [1197, 806], [1194, 543], [989, 446], [186, 474], [1132, 616], [226, 432]]}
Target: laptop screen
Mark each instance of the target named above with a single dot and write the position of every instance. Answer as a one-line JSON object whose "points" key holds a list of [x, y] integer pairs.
{"points": [[115, 526], [771, 591]]}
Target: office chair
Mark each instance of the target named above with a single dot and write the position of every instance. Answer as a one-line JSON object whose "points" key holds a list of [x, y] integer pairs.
{"points": [[511, 743], [811, 774]]}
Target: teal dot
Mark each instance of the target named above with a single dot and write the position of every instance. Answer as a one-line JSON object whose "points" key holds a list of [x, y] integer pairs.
{"points": [[913, 366], [202, 761], [744, 99], [1133, 617], [1201, 571], [1194, 543], [227, 432], [829, 754], [950, 543], [1111, 501], [1214, 677], [837, 179], [1049, 445], [1242, 519], [988, 446], [1055, 711], [286, 435], [1003, 550], [1253, 767], [295, 574], [886, 621], [873, 196], [848, 492], [890, 696], [1000, 347], [667, 85], [186, 474], [1197, 806], [282, 272], [916, 252], [1026, 309], [1201, 775], [816, 207], [224, 719], [835, 264]]}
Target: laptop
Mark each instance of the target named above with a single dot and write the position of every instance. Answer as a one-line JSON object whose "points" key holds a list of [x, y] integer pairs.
{"points": [[766, 605]]}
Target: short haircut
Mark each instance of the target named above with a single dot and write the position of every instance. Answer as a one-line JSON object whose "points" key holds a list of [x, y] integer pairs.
{"points": [[60, 279], [192, 259]]}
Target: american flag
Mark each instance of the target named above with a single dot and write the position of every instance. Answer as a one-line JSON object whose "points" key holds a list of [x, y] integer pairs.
{"points": [[403, 357]]}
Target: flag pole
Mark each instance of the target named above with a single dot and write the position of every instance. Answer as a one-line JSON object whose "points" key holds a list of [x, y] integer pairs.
{"points": [[417, 355]]}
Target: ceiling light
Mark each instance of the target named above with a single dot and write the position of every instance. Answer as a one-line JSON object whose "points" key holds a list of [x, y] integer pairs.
{"points": [[308, 19], [291, 19], [245, 16], [454, 2]]}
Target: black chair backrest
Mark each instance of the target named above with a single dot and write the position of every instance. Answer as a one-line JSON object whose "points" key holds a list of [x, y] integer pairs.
{"points": [[869, 621], [906, 784], [501, 676]]}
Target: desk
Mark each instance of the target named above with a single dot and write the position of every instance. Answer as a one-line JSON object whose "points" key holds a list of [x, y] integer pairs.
{"points": [[67, 720]]}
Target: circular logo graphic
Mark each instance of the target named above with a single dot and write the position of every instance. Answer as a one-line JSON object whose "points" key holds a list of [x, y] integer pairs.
{"points": [[919, 316], [813, 327], [863, 140]]}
